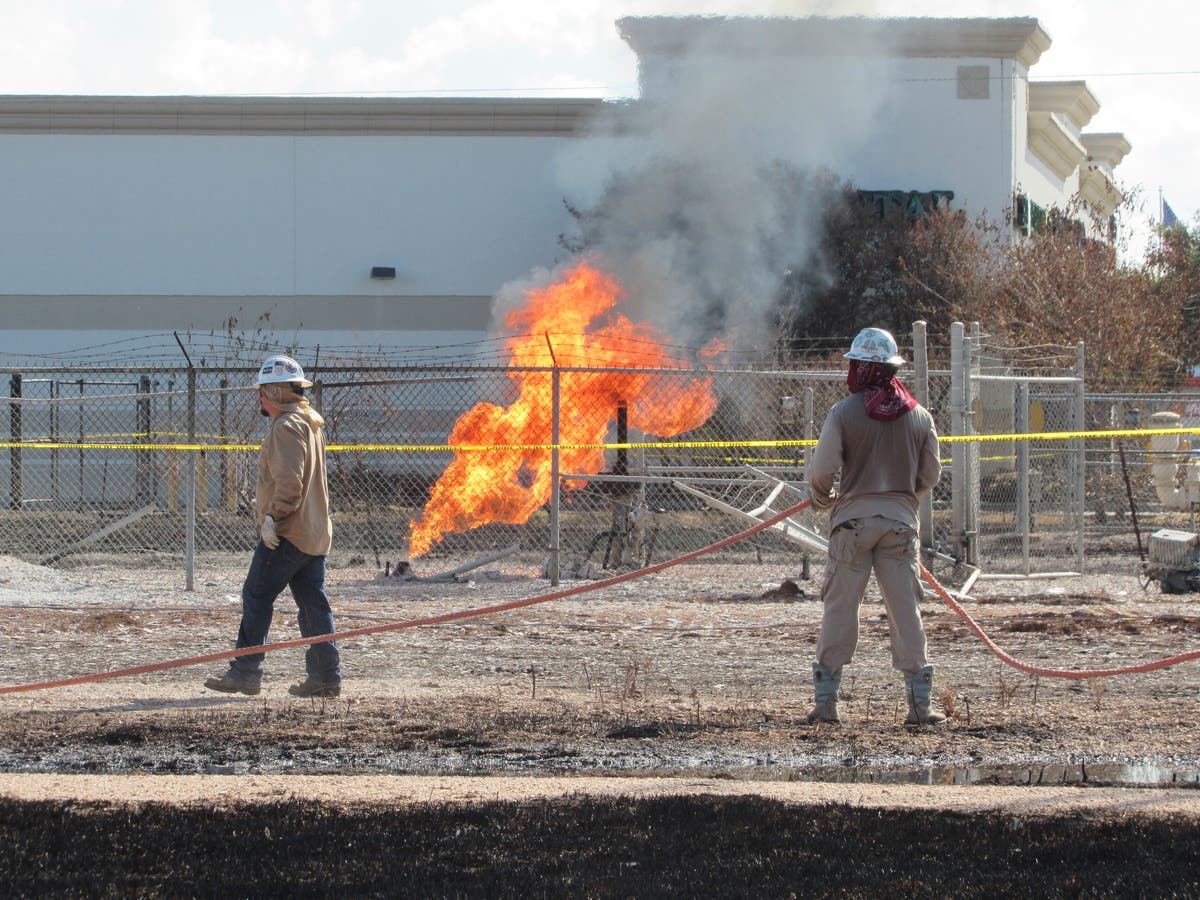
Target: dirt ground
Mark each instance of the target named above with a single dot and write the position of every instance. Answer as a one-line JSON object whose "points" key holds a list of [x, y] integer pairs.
{"points": [[692, 682]]}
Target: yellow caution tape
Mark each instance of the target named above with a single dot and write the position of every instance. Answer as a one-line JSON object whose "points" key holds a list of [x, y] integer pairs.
{"points": [[92, 445], [638, 445], [94, 438]]}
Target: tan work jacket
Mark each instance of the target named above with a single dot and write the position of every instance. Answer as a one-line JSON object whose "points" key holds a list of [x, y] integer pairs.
{"points": [[292, 487]]}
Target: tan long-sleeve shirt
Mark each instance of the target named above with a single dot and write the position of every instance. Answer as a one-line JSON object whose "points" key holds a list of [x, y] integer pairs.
{"points": [[292, 487], [885, 466]]}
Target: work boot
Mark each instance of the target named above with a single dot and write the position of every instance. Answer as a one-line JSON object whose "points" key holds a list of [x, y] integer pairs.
{"points": [[310, 688], [825, 691], [230, 683], [919, 689]]}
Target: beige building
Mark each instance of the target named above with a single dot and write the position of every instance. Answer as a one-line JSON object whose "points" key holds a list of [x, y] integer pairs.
{"points": [[350, 222], [950, 102]]}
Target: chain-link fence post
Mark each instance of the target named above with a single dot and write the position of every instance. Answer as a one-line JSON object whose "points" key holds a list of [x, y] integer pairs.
{"points": [[55, 472], [15, 489], [142, 456], [921, 385], [958, 461], [1022, 452], [82, 495], [555, 493], [190, 525], [810, 426], [971, 404], [223, 466], [1081, 452], [172, 501]]}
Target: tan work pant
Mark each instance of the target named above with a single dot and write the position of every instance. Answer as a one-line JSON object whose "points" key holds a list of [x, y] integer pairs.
{"points": [[855, 547]]}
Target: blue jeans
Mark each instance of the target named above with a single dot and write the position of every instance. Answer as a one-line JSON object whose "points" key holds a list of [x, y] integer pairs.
{"points": [[270, 572]]}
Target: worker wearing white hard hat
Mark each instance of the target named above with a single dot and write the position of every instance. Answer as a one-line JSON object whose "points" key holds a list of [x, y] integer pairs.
{"points": [[884, 447], [281, 369], [875, 345], [295, 534]]}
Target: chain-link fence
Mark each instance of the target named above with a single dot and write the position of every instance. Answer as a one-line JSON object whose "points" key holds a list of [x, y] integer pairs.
{"points": [[451, 464], [569, 471], [1135, 487], [1009, 502]]}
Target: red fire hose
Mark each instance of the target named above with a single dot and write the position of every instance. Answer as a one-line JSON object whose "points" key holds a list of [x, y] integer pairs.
{"points": [[583, 589], [1008, 659]]}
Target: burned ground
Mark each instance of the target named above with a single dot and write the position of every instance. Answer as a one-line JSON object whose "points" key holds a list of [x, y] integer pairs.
{"points": [[695, 676], [682, 846]]}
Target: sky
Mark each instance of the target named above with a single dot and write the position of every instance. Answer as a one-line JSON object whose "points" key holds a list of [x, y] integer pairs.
{"points": [[1139, 60]]}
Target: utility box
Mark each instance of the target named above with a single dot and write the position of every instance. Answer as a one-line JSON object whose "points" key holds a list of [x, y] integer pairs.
{"points": [[1174, 559]]}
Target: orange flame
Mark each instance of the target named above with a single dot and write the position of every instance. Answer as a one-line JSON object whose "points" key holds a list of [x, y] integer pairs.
{"points": [[577, 317]]}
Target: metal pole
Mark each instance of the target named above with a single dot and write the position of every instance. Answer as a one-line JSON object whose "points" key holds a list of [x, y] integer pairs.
{"points": [[227, 497], [1081, 465], [15, 488], [55, 415], [81, 459], [958, 451], [1023, 524], [920, 363], [971, 369], [189, 551], [921, 386], [172, 455], [143, 428], [553, 570], [1116, 419], [810, 426]]}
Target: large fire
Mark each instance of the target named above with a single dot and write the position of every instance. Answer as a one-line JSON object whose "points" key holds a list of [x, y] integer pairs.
{"points": [[572, 322]]}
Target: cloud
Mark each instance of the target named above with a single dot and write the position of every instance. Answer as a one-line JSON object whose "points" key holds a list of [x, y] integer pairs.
{"points": [[548, 48]]}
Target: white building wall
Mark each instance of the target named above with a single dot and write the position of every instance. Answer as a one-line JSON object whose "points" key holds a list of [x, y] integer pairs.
{"points": [[275, 216], [927, 138], [880, 123], [1044, 186], [124, 216], [146, 214], [453, 215], [950, 108]]}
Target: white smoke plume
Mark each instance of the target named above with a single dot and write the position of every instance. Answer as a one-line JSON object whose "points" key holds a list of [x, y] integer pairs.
{"points": [[700, 196]]}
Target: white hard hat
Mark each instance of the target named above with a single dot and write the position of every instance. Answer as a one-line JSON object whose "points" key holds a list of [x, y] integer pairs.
{"points": [[278, 369], [875, 345]]}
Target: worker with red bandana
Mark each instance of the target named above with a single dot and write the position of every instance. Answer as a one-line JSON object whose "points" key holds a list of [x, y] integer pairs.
{"points": [[885, 446]]}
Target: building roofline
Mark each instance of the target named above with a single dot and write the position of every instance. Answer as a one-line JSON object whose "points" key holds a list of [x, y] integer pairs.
{"points": [[1107, 147], [1021, 39], [1071, 98], [541, 117]]}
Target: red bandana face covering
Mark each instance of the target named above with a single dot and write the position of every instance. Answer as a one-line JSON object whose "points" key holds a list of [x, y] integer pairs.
{"points": [[883, 394]]}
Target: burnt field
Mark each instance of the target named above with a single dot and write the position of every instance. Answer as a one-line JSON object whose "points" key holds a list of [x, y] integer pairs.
{"points": [[686, 846], [694, 682]]}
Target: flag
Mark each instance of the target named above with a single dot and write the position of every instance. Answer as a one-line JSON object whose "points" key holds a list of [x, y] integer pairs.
{"points": [[1168, 215]]}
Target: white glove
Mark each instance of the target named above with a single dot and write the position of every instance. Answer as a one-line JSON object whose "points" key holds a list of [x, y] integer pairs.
{"points": [[269, 536], [820, 502]]}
